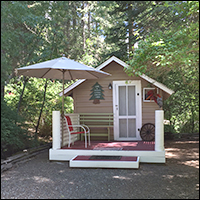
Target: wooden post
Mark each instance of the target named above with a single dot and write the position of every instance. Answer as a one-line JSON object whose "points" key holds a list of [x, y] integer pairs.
{"points": [[159, 130], [56, 130]]}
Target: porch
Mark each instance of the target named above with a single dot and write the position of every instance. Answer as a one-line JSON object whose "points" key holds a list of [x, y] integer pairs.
{"points": [[146, 151], [114, 145]]}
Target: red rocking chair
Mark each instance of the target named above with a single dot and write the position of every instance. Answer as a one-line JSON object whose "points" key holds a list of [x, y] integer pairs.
{"points": [[71, 130]]}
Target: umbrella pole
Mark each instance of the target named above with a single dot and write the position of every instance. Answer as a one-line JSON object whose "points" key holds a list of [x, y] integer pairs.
{"points": [[63, 112]]}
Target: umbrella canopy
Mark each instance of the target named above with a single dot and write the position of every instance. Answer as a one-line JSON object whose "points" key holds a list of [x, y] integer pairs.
{"points": [[54, 69], [61, 68]]}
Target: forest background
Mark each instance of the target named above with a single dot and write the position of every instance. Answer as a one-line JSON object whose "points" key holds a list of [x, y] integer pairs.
{"points": [[158, 38]]}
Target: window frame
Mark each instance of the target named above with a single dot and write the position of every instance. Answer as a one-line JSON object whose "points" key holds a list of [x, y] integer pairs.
{"points": [[144, 93]]}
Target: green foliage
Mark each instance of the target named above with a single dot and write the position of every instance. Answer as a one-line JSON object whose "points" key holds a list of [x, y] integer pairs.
{"points": [[33, 99], [14, 135], [171, 56], [126, 22]]}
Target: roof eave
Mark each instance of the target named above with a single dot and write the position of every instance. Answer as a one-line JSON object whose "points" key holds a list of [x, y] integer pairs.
{"points": [[71, 87], [157, 84], [122, 63]]}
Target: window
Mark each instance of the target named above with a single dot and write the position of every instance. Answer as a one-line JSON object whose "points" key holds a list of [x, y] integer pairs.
{"points": [[147, 92]]}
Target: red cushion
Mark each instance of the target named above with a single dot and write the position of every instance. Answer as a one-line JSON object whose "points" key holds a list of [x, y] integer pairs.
{"points": [[78, 132], [69, 123]]}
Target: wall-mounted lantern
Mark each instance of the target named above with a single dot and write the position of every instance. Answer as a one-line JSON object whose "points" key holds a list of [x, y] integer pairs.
{"points": [[110, 86]]}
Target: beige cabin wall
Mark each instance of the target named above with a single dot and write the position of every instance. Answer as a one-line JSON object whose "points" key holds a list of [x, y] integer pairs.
{"points": [[81, 94]]}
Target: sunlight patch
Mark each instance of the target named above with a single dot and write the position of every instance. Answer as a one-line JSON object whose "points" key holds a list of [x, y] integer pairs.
{"points": [[122, 177], [171, 155], [41, 179], [191, 163], [189, 142], [168, 176]]}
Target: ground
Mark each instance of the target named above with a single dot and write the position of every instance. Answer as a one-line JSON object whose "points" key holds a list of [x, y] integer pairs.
{"points": [[184, 152], [40, 178]]}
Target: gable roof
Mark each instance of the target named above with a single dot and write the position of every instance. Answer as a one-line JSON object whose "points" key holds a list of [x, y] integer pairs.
{"points": [[122, 63]]}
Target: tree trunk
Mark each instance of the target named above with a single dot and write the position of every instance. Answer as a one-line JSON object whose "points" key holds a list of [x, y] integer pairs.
{"points": [[89, 17], [2, 89], [74, 16], [74, 23], [21, 96], [26, 79], [130, 27], [83, 27], [68, 35], [45, 87], [192, 120]]}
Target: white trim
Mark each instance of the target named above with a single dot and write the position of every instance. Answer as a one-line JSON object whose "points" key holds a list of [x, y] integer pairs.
{"points": [[144, 94], [122, 63], [104, 163], [154, 82], [157, 84], [113, 58], [145, 156], [137, 84]]}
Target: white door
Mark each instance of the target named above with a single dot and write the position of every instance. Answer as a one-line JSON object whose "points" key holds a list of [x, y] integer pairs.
{"points": [[127, 110]]}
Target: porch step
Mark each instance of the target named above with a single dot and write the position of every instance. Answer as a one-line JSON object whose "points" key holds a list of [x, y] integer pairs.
{"points": [[102, 161]]}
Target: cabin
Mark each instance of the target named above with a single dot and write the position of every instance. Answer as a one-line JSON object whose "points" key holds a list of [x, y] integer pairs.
{"points": [[124, 115]]}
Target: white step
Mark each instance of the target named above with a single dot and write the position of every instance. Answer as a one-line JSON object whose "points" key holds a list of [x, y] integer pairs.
{"points": [[122, 162]]}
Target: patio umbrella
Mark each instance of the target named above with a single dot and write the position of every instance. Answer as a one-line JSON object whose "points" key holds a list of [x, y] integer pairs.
{"points": [[61, 68]]}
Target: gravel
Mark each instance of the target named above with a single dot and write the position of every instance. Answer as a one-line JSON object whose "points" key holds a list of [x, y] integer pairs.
{"points": [[39, 178]]}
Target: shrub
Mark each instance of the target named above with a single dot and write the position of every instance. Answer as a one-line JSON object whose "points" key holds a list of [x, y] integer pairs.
{"points": [[14, 136]]}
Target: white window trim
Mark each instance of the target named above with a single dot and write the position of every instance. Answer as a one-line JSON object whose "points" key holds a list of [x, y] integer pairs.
{"points": [[144, 94]]}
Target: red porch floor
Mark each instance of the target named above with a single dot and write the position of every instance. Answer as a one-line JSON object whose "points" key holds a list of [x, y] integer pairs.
{"points": [[114, 145]]}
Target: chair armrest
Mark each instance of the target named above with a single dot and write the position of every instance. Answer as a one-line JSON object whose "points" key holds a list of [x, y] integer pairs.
{"points": [[85, 126], [78, 126]]}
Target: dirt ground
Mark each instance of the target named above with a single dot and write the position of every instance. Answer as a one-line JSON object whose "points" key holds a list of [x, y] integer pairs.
{"points": [[40, 178], [182, 152]]}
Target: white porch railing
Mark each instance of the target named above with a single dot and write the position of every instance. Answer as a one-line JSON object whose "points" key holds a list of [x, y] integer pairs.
{"points": [[159, 130], [57, 130], [58, 141]]}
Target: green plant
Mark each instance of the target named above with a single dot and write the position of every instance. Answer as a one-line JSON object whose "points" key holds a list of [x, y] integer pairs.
{"points": [[14, 135]]}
